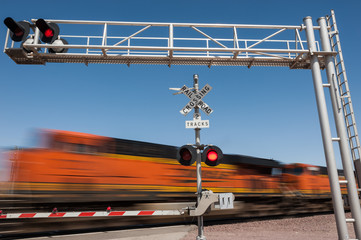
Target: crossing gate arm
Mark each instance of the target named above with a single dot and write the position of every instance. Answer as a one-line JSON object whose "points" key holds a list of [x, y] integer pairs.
{"points": [[92, 214], [222, 201]]}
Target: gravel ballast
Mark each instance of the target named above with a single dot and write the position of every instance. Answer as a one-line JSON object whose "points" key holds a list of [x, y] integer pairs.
{"points": [[298, 228]]}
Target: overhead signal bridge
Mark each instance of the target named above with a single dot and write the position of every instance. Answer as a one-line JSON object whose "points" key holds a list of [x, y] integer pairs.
{"points": [[168, 44]]}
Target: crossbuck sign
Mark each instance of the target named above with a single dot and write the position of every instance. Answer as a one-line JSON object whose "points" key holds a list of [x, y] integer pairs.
{"points": [[196, 99]]}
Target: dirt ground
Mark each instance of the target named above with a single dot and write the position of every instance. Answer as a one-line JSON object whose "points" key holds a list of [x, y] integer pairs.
{"points": [[300, 228]]}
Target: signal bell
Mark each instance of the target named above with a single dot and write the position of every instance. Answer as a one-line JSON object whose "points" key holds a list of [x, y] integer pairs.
{"points": [[18, 30], [187, 155], [59, 42], [212, 156]]}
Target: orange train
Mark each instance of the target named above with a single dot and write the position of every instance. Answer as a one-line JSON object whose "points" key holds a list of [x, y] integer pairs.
{"points": [[72, 166]]}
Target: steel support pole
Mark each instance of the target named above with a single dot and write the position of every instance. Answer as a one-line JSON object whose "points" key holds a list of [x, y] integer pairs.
{"points": [[326, 133], [341, 129], [199, 166]]}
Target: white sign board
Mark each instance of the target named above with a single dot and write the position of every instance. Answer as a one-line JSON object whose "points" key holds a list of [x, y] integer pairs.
{"points": [[195, 99], [205, 108], [197, 124], [225, 200]]}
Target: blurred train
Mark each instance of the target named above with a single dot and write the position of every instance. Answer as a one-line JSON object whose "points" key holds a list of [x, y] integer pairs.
{"points": [[79, 167]]}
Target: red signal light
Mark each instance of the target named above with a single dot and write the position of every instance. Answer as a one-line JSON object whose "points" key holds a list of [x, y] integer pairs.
{"points": [[186, 155], [212, 156], [18, 30], [48, 31]]}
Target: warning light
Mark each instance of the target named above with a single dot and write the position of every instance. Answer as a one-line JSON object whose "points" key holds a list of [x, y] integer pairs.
{"points": [[48, 31], [186, 155], [212, 156], [18, 30]]}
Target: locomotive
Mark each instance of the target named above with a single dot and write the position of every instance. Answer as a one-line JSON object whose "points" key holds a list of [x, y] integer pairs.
{"points": [[79, 167], [71, 171]]}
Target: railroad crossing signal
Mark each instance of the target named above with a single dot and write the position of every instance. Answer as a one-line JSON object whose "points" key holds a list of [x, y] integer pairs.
{"points": [[48, 33], [196, 99], [212, 155], [187, 155], [18, 30]]}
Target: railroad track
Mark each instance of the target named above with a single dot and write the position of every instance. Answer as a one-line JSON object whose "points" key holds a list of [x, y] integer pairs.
{"points": [[248, 207]]}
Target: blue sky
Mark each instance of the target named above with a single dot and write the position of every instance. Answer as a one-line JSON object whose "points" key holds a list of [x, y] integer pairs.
{"points": [[262, 111]]}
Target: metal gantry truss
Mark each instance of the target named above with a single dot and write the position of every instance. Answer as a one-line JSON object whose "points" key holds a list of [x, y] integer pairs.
{"points": [[173, 44]]}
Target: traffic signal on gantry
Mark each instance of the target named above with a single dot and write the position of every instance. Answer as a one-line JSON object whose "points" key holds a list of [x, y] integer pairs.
{"points": [[19, 31], [211, 155], [49, 32]]}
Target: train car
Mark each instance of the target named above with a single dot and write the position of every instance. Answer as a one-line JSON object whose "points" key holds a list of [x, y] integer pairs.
{"points": [[307, 180], [79, 167]]}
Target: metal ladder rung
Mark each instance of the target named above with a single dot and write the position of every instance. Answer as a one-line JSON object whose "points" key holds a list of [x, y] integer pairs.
{"points": [[333, 33], [345, 93], [350, 220], [343, 181], [342, 83], [339, 63], [340, 73]]}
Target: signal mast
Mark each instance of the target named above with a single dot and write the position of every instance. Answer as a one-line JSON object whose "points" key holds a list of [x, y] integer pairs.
{"points": [[211, 155]]}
